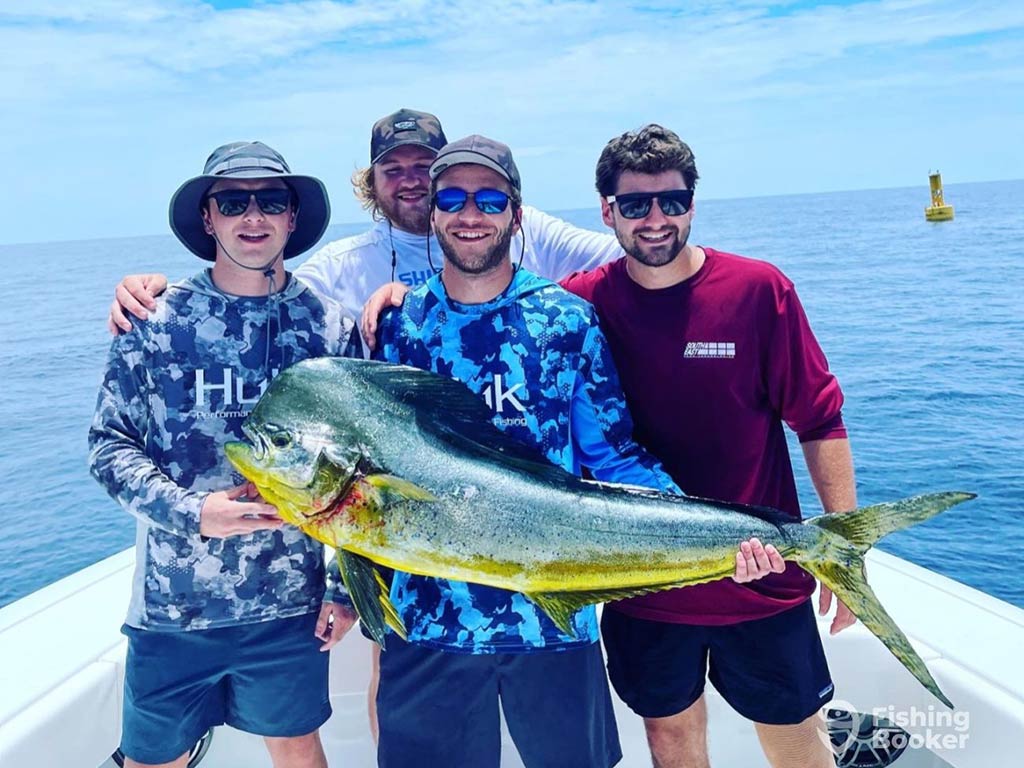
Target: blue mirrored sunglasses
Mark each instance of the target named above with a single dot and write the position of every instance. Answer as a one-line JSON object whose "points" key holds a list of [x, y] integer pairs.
{"points": [[637, 205], [453, 200]]}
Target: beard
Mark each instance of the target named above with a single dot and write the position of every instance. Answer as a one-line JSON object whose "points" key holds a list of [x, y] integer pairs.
{"points": [[411, 218], [654, 255], [477, 264]]}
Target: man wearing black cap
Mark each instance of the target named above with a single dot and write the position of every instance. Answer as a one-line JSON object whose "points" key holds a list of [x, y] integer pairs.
{"points": [[394, 189], [535, 354], [228, 615]]}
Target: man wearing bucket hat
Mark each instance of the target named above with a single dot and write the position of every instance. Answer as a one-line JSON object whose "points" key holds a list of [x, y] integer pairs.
{"points": [[228, 615], [536, 355], [394, 189]]}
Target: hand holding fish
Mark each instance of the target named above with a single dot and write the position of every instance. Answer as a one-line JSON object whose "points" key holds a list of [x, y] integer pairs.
{"points": [[755, 561], [224, 515]]}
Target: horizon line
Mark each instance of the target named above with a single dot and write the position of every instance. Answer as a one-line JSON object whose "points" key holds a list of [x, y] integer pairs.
{"points": [[370, 222]]}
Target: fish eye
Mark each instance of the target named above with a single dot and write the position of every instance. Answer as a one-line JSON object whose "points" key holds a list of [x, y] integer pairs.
{"points": [[277, 436]]}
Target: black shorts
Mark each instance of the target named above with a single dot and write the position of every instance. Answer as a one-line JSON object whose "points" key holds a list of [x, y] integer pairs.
{"points": [[441, 709], [267, 678], [770, 670]]}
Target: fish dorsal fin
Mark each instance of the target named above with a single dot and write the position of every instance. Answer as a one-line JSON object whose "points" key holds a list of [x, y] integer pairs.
{"points": [[560, 606], [448, 410], [369, 593]]}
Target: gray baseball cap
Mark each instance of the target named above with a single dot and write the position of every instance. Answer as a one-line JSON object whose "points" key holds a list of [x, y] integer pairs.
{"points": [[248, 160], [406, 126], [478, 150]]}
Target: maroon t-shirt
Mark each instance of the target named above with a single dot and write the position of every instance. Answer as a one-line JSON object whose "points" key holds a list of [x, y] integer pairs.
{"points": [[711, 368]]}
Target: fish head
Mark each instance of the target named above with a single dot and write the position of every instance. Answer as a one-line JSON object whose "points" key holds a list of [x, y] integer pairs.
{"points": [[303, 450]]}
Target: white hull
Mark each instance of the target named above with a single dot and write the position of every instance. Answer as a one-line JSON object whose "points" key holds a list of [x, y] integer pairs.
{"points": [[62, 667]]}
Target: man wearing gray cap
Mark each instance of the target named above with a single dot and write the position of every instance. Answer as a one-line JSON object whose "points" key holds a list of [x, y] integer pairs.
{"points": [[228, 614], [394, 189], [537, 357]]}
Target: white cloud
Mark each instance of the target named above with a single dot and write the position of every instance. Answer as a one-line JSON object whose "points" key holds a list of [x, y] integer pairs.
{"points": [[142, 90]]}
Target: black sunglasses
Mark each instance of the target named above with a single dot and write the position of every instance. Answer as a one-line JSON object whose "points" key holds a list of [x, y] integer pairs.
{"points": [[235, 202], [637, 205], [453, 200]]}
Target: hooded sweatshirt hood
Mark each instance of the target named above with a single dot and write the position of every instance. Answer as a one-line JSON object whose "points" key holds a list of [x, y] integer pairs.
{"points": [[523, 284], [241, 310]]}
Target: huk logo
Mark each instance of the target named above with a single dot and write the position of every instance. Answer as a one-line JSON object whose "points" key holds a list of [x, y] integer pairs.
{"points": [[231, 388], [721, 350], [496, 396]]}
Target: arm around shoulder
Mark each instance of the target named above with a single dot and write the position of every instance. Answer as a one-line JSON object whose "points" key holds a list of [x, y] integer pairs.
{"points": [[135, 295], [320, 272], [560, 248]]}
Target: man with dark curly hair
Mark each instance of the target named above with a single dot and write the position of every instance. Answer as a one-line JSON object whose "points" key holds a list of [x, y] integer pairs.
{"points": [[715, 353]]}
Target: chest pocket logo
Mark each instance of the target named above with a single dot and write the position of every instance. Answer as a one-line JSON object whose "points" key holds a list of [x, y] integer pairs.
{"points": [[719, 350]]}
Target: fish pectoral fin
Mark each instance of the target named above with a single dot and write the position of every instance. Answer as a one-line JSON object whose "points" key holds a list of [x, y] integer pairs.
{"points": [[330, 479], [391, 485], [369, 593], [560, 606]]}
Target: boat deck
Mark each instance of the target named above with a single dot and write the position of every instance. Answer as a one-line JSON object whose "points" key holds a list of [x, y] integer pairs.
{"points": [[61, 678]]}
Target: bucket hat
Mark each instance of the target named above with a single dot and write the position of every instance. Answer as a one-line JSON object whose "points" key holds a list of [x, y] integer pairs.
{"points": [[248, 160]]}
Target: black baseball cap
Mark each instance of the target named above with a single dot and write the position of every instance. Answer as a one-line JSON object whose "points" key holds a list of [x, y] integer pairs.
{"points": [[477, 150], [406, 126]]}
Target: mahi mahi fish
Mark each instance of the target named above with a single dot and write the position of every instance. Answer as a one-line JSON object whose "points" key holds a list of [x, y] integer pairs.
{"points": [[404, 468]]}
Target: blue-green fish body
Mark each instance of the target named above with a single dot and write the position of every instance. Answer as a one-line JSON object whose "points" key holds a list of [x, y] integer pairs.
{"points": [[403, 468]]}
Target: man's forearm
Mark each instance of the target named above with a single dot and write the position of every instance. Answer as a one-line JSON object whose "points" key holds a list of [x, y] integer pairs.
{"points": [[830, 465]]}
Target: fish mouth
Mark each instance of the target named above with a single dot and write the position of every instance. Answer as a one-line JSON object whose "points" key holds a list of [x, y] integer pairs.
{"points": [[256, 443], [318, 497]]}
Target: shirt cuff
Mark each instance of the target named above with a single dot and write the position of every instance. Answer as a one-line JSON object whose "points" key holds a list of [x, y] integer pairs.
{"points": [[833, 429]]}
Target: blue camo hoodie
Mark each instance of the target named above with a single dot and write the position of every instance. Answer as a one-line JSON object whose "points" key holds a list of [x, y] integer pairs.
{"points": [[540, 361], [175, 390]]}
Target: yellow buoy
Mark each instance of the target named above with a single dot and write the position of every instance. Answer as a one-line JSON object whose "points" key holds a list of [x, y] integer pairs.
{"points": [[938, 210]]}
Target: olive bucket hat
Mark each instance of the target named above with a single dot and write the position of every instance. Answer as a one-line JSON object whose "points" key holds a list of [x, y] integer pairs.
{"points": [[248, 160]]}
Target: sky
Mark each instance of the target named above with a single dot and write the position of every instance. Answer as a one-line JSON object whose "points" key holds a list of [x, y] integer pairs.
{"points": [[108, 105]]}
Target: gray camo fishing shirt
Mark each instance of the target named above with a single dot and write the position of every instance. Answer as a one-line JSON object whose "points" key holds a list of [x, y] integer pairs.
{"points": [[176, 389]]}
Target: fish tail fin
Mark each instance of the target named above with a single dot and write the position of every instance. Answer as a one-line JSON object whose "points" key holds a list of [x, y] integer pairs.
{"points": [[848, 582], [838, 562], [865, 526]]}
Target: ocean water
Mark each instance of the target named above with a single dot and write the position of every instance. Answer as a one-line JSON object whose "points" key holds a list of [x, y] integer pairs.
{"points": [[923, 324]]}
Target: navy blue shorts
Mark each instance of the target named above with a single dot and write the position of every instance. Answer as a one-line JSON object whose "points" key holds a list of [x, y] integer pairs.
{"points": [[268, 678], [441, 709], [770, 670]]}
